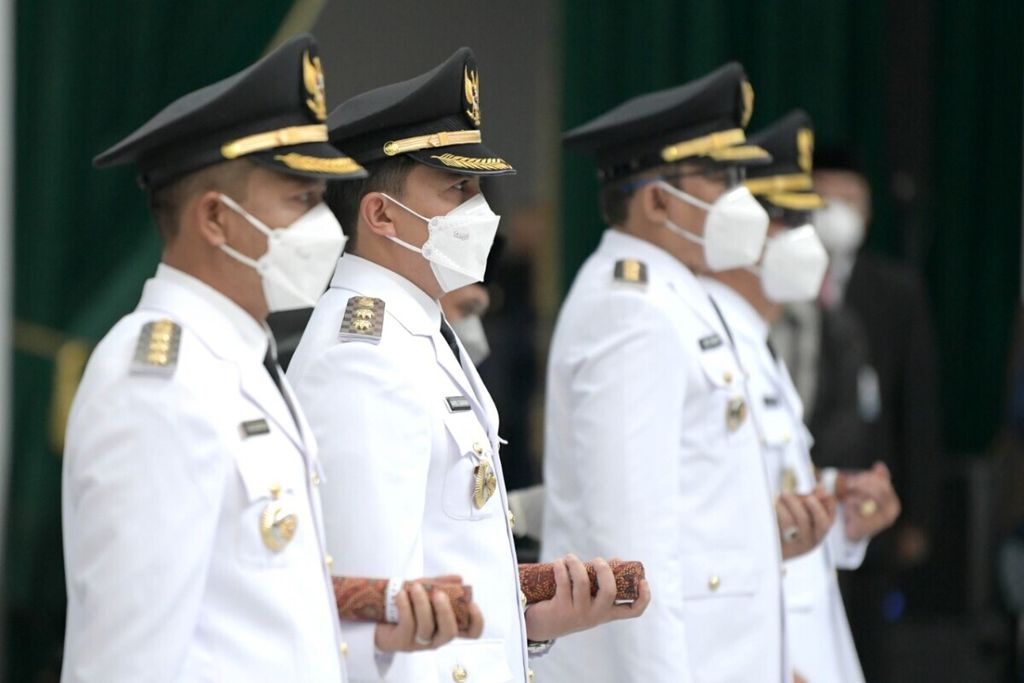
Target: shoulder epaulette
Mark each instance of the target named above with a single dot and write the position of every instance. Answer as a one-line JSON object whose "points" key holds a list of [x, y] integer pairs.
{"points": [[156, 352], [363, 319], [631, 271]]}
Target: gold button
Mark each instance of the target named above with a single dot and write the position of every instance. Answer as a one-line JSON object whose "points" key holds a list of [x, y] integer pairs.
{"points": [[727, 377], [315, 478], [529, 675], [477, 448], [460, 675], [511, 519], [714, 582], [787, 437], [344, 649], [329, 561]]}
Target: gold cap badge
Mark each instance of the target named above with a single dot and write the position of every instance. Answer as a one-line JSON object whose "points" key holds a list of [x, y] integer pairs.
{"points": [[313, 78], [805, 149], [748, 102], [277, 522], [471, 91]]}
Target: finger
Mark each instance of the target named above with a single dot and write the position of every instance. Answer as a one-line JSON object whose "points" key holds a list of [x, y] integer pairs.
{"points": [[402, 632], [563, 585], [424, 614], [882, 469], [605, 584], [476, 622], [783, 514], [820, 518], [801, 517], [446, 579], [580, 581], [444, 617]]}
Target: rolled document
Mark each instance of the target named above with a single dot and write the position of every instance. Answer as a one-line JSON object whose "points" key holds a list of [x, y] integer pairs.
{"points": [[538, 580], [361, 599]]}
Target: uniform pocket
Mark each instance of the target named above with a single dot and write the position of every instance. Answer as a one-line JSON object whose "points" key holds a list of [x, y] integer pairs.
{"points": [[272, 514], [473, 661], [471, 483]]}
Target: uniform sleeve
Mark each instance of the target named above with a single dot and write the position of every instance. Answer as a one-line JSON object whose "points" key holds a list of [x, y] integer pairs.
{"points": [[374, 444], [144, 475], [628, 386], [847, 553]]}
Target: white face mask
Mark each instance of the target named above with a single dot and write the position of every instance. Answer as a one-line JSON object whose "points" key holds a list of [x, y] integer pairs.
{"points": [[470, 331], [299, 260], [734, 230], [793, 265], [457, 243], [840, 227]]}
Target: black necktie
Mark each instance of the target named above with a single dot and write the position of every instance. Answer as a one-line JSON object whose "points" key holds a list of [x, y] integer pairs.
{"points": [[449, 337], [270, 363]]}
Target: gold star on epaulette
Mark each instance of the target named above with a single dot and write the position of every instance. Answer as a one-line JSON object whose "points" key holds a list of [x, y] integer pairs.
{"points": [[156, 352], [631, 271], [363, 319]]}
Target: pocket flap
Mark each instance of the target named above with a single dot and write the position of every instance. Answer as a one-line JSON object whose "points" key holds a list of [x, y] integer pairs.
{"points": [[720, 367], [726, 572], [473, 661]]}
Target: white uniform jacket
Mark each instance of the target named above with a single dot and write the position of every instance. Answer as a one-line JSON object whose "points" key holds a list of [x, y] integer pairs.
{"points": [[166, 479], [650, 455], [402, 427], [819, 637]]}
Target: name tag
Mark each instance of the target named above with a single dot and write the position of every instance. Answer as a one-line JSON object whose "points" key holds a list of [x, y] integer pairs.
{"points": [[254, 428], [771, 401], [458, 404], [712, 341]]}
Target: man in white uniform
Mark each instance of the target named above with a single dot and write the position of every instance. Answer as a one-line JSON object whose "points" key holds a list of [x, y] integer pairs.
{"points": [[408, 433], [193, 541], [649, 450], [791, 269]]}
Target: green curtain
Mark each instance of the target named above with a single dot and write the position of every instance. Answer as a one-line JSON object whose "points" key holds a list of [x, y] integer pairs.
{"points": [[87, 74], [833, 58]]}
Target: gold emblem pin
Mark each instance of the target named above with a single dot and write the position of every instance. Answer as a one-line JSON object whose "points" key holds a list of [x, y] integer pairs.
{"points": [[485, 483], [735, 413], [278, 522], [471, 85], [313, 79], [747, 93]]}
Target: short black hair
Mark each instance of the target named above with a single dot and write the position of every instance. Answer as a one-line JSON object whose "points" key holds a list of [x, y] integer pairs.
{"points": [[614, 202], [343, 196], [166, 202]]}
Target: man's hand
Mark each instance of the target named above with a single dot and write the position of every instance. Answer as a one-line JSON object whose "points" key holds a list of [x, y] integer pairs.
{"points": [[573, 608], [425, 622], [804, 520], [870, 504]]}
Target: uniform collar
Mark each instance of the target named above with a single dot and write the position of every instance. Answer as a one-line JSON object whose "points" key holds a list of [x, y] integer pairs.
{"points": [[223, 325], [743, 319], [416, 310]]}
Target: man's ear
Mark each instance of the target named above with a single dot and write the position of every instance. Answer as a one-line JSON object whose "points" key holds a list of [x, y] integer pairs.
{"points": [[652, 203], [211, 217], [375, 212]]}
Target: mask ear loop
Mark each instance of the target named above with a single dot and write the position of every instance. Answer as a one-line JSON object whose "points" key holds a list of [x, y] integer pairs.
{"points": [[689, 199]]}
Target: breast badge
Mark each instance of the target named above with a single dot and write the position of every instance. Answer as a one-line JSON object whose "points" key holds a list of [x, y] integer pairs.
{"points": [[278, 522]]}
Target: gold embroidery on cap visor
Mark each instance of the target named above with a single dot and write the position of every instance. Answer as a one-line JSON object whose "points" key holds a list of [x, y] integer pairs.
{"points": [[740, 153], [282, 137], [302, 162], [703, 145], [313, 79], [444, 138], [473, 163], [471, 89], [779, 183]]}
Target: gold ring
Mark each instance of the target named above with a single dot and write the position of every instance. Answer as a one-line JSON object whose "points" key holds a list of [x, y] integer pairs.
{"points": [[868, 507]]}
